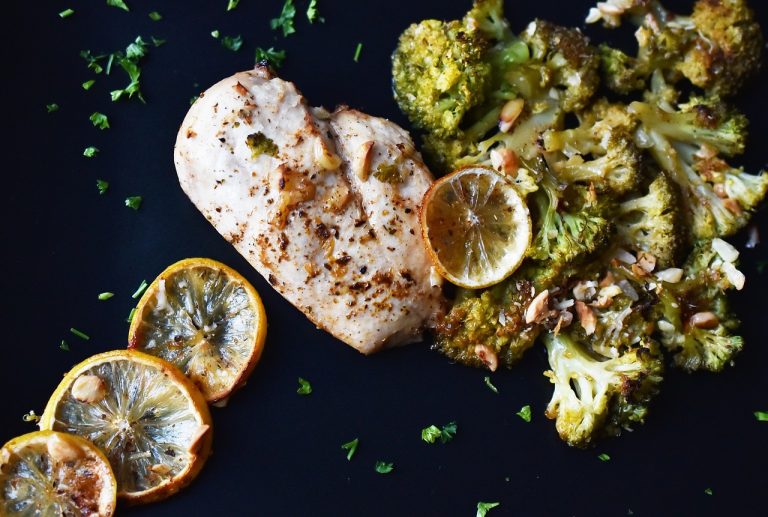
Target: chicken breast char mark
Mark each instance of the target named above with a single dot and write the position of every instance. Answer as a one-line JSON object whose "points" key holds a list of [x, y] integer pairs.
{"points": [[323, 205]]}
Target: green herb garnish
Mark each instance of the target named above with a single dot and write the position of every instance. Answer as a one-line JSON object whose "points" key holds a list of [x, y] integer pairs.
{"points": [[603, 457], [155, 16], [383, 467], [120, 4], [66, 13], [52, 107], [79, 333], [215, 34], [31, 417], [430, 434], [157, 41], [130, 315], [433, 433], [232, 4], [232, 43], [92, 61], [90, 152], [350, 447], [260, 144], [358, 50], [490, 385], [139, 290], [484, 508], [64, 345], [102, 186], [388, 173], [133, 202], [305, 388], [285, 20], [87, 84], [525, 413], [99, 120], [136, 49], [106, 296], [708, 491], [312, 14], [273, 57], [762, 416]]}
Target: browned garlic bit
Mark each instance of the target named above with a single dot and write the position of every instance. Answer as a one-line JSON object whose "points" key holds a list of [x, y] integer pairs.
{"points": [[510, 113], [505, 161], [488, 356], [89, 389], [704, 320], [587, 317], [538, 307]]}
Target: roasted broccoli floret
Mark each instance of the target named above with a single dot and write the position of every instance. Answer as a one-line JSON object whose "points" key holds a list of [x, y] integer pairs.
{"points": [[686, 142], [600, 151], [694, 321], [717, 48], [597, 396], [653, 223]]}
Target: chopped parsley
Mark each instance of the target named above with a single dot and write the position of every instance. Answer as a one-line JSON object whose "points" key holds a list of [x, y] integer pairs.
{"points": [[350, 447], [64, 345], [232, 43], [130, 315], [79, 333], [312, 14], [90, 152], [260, 144], [92, 61], [155, 16], [708, 491], [99, 120], [66, 13], [484, 508], [31, 417], [129, 62], [139, 290], [432, 433], [136, 49], [525, 413], [120, 4], [603, 457], [358, 50], [215, 33], [285, 20], [102, 186], [52, 107], [388, 173], [232, 4], [157, 41], [762, 416], [87, 84], [305, 388], [383, 467], [106, 296], [271, 56], [133, 202], [490, 385]]}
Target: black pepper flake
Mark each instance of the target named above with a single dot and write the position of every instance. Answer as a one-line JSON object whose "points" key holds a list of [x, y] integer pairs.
{"points": [[322, 231], [272, 279], [363, 270]]}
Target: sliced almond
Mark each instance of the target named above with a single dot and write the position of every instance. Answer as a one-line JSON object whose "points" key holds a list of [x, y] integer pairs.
{"points": [[538, 307], [488, 356], [704, 320], [587, 317]]}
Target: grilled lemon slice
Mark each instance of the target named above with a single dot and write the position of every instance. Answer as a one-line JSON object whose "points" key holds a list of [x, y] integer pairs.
{"points": [[206, 319], [48, 473], [150, 421], [476, 227]]}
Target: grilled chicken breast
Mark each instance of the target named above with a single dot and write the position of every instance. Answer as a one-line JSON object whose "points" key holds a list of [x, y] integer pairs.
{"points": [[323, 205]]}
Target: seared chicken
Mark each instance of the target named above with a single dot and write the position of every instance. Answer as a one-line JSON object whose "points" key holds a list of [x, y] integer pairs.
{"points": [[323, 205]]}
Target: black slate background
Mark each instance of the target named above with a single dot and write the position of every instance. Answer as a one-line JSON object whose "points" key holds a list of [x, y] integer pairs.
{"points": [[276, 453]]}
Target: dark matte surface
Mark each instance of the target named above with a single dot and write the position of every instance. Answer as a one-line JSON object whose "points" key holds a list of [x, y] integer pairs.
{"points": [[277, 453]]}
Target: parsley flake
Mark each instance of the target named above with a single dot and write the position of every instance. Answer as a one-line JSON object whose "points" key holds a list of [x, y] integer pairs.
{"points": [[312, 14], [136, 49], [215, 33], [106, 296], [90, 152], [157, 41], [232, 43], [129, 62], [92, 61], [64, 345], [87, 84], [490, 385], [155, 16], [66, 13], [139, 290], [432, 433], [762, 416], [708, 491], [484, 508], [351, 447], [272, 57], [305, 388], [52, 107], [603, 457], [99, 120], [525, 413], [79, 333], [130, 315], [232, 4], [31, 416], [285, 20], [133, 202], [120, 4], [358, 50], [383, 467], [102, 186]]}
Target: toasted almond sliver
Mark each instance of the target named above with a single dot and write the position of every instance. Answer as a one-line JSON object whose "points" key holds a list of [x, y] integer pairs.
{"points": [[672, 275], [726, 251], [704, 320], [537, 307], [488, 356], [587, 317]]}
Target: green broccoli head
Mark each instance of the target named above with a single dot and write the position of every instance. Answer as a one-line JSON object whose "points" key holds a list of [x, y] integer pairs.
{"points": [[653, 223], [439, 73], [694, 320], [595, 396], [487, 17], [622, 73]]}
